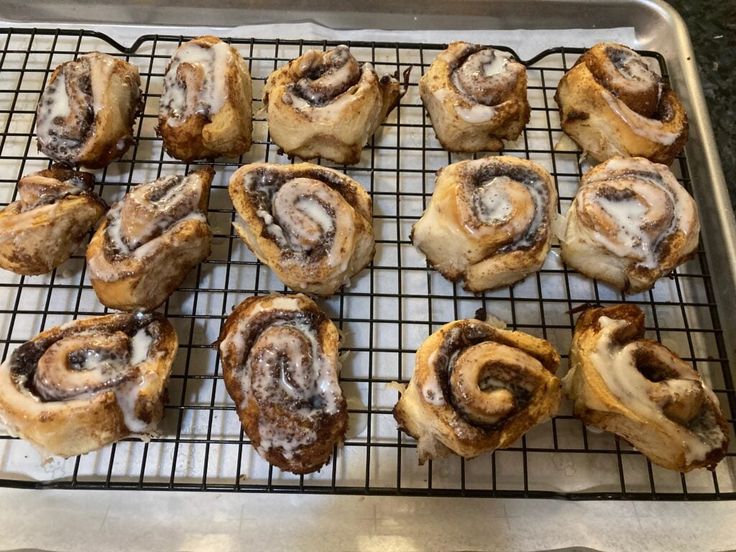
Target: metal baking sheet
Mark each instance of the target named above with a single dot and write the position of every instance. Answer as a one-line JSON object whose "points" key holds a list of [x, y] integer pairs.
{"points": [[384, 315]]}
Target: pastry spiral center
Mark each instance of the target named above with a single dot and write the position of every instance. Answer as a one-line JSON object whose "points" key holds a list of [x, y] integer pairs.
{"points": [[501, 209], [88, 363], [489, 382], [632, 215], [283, 368], [147, 211], [486, 76], [630, 65], [628, 77], [195, 81], [305, 209], [322, 76]]}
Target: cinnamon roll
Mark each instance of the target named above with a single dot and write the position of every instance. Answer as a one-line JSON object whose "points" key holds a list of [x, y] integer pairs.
{"points": [[326, 104], [56, 208], [488, 222], [612, 104], [205, 109], [476, 388], [311, 225], [630, 223], [280, 364], [640, 390], [85, 115], [150, 240], [475, 96], [85, 384]]}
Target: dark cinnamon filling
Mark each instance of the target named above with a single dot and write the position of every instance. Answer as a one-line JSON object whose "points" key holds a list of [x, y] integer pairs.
{"points": [[24, 360], [324, 76]]}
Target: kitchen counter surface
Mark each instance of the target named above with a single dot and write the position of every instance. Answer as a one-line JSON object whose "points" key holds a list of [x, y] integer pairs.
{"points": [[168, 522]]}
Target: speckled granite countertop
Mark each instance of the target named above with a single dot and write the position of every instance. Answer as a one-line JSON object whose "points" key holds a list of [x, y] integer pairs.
{"points": [[712, 26]]}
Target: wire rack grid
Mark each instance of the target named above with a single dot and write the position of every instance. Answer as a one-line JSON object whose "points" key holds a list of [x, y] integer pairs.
{"points": [[388, 310]]}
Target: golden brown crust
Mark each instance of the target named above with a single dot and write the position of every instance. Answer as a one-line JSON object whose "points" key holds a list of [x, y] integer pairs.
{"points": [[56, 209], [101, 101], [333, 119], [489, 221], [142, 275], [610, 113], [469, 353], [86, 421], [201, 131], [294, 426], [638, 389], [477, 119], [311, 225]]}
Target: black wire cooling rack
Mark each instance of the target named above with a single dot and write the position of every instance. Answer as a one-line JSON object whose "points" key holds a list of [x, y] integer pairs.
{"points": [[386, 313]]}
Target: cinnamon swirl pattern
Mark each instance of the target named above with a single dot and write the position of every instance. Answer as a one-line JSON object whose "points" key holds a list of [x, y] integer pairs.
{"points": [[612, 104], [640, 390], [326, 104], [55, 209], [85, 115], [476, 388], [475, 96], [85, 384], [311, 225], [150, 240], [205, 109], [630, 223], [488, 222], [280, 364]]}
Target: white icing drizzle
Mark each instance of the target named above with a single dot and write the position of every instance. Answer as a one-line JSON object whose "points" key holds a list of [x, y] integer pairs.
{"points": [[651, 129], [431, 389], [178, 101], [114, 231], [617, 367], [635, 69], [100, 67], [476, 114], [140, 345], [539, 196], [628, 214], [495, 201], [316, 211], [498, 63]]}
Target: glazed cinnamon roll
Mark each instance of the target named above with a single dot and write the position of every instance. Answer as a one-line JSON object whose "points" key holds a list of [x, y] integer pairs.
{"points": [[56, 208], [85, 115], [488, 222], [476, 388], [475, 96], [640, 390], [311, 225], [280, 364], [612, 104], [205, 109], [85, 384], [150, 240], [326, 104], [630, 223]]}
